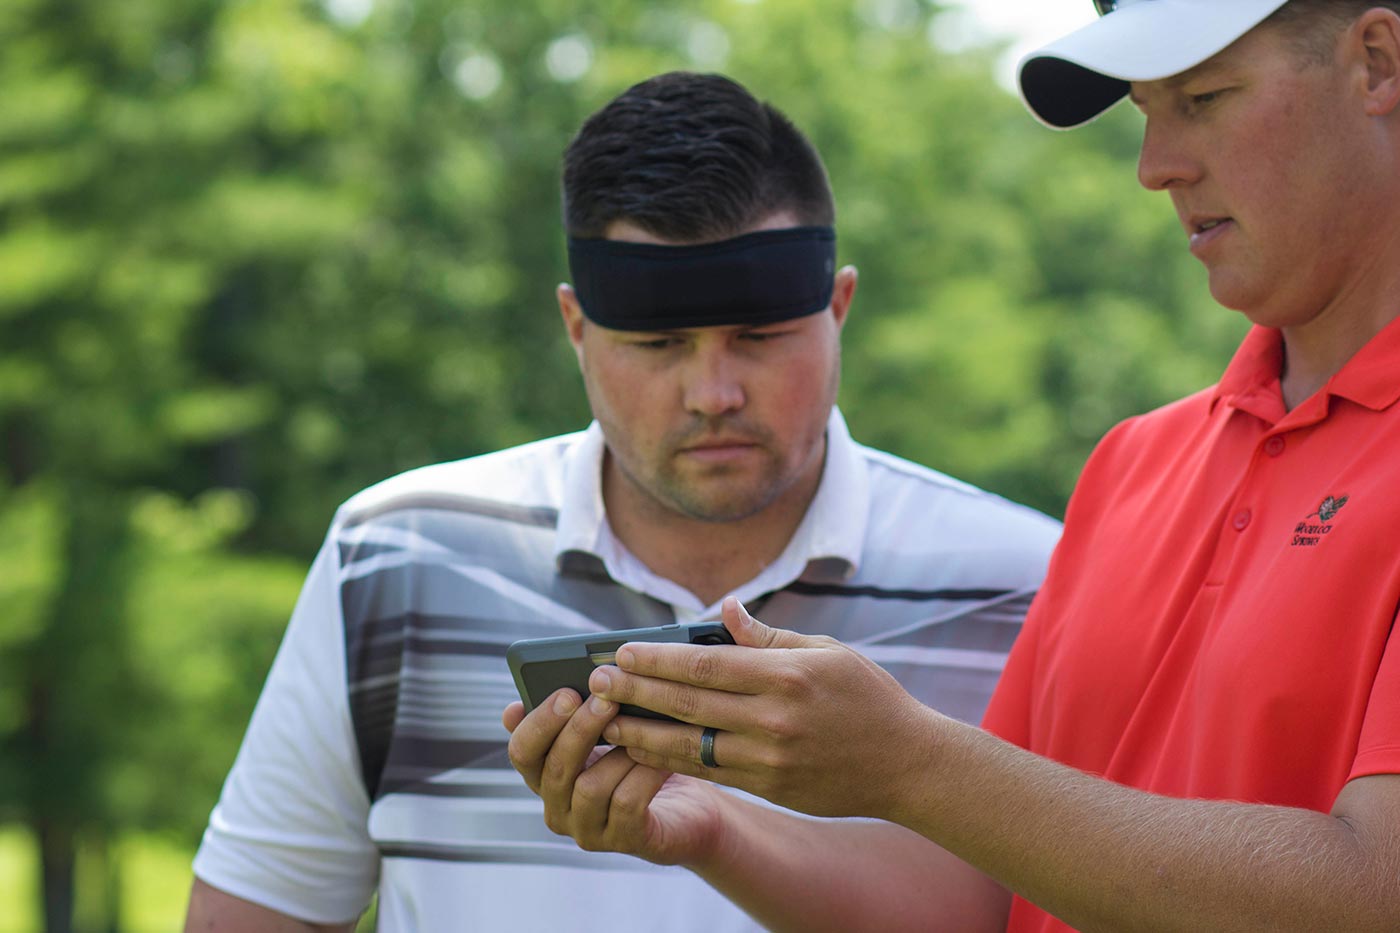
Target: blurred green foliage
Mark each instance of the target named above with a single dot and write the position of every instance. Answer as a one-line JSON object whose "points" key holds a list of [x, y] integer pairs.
{"points": [[255, 254]]}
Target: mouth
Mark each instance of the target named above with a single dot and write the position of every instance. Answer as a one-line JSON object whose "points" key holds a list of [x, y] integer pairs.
{"points": [[719, 449], [1205, 230], [717, 445]]}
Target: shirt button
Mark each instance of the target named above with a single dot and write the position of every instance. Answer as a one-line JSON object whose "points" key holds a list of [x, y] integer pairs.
{"points": [[1274, 446], [1241, 521]]}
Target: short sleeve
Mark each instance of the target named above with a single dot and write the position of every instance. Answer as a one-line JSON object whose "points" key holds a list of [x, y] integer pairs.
{"points": [[290, 831], [1378, 751]]}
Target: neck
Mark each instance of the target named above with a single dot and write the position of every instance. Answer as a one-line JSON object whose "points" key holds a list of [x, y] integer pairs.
{"points": [[711, 559], [1315, 351], [1367, 298]]}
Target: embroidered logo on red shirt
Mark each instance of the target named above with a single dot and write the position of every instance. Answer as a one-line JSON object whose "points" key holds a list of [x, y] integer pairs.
{"points": [[1308, 534]]}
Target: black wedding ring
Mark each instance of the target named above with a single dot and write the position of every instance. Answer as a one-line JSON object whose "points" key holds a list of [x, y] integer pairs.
{"points": [[707, 747]]}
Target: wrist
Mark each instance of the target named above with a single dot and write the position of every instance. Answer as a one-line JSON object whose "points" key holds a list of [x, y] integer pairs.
{"points": [[736, 825], [909, 798]]}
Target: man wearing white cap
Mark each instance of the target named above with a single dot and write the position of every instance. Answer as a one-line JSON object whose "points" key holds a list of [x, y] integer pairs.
{"points": [[1199, 728]]}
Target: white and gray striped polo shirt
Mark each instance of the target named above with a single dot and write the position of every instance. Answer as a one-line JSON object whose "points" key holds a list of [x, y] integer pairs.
{"points": [[376, 756]]}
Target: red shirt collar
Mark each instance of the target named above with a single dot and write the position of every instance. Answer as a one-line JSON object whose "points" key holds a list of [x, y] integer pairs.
{"points": [[1371, 378]]}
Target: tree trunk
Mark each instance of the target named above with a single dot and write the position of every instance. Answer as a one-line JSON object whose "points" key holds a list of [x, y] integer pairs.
{"points": [[58, 858]]}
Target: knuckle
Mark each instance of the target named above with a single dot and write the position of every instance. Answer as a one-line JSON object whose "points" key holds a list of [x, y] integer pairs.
{"points": [[627, 802], [772, 757], [686, 745], [773, 725], [788, 681], [554, 823], [702, 668], [589, 785], [555, 771], [683, 701]]}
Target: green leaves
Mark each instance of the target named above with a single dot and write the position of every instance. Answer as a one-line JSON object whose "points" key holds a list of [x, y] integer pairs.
{"points": [[256, 254]]}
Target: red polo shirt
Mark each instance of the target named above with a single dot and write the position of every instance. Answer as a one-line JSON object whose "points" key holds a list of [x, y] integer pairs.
{"points": [[1219, 617]]}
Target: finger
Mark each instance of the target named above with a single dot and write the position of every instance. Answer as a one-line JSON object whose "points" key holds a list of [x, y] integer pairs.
{"points": [[720, 774], [677, 747], [568, 756], [534, 735], [741, 668], [512, 715], [627, 816], [752, 633], [592, 796], [678, 700]]}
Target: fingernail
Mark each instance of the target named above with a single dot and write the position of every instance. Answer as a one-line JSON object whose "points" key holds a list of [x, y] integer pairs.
{"points": [[600, 681], [612, 733], [599, 705], [624, 657], [564, 704]]}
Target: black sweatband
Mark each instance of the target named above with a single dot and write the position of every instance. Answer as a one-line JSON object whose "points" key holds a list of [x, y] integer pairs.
{"points": [[757, 278]]}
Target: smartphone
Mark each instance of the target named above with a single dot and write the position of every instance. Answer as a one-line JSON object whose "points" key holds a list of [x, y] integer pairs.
{"points": [[541, 666]]}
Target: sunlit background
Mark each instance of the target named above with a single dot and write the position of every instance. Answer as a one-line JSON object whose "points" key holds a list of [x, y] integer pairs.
{"points": [[256, 254]]}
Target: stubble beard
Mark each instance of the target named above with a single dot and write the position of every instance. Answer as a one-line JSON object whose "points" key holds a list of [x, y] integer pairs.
{"points": [[712, 493], [718, 496]]}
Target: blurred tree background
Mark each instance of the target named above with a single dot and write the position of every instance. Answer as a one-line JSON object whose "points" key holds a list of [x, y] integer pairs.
{"points": [[256, 254]]}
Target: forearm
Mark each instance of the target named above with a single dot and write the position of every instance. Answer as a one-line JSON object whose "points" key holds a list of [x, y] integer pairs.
{"points": [[211, 910], [795, 873], [1103, 856]]}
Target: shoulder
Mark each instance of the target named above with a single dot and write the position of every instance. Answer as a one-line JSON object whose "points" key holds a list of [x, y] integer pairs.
{"points": [[527, 477], [904, 492], [1144, 437]]}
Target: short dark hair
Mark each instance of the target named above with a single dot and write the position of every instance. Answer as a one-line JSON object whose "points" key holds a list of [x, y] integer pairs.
{"points": [[691, 157], [1313, 25]]}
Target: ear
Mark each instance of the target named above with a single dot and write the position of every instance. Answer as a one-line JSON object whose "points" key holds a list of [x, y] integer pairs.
{"points": [[843, 293], [572, 312], [1378, 30]]}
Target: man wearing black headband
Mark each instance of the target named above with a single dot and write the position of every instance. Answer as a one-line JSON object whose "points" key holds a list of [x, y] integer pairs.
{"points": [[706, 312], [1199, 727]]}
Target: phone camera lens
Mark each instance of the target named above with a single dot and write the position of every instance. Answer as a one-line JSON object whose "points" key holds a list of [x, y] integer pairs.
{"points": [[709, 640]]}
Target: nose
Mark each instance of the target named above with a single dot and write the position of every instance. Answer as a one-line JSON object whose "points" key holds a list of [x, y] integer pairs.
{"points": [[1165, 162], [713, 383]]}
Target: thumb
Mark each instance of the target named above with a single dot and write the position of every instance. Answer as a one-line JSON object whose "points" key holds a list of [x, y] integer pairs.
{"points": [[751, 633]]}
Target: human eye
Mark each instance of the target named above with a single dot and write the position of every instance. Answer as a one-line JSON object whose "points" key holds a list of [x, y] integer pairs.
{"points": [[763, 336], [1206, 98], [653, 343]]}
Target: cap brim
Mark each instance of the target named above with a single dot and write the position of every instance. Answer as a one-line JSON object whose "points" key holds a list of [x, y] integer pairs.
{"points": [[1074, 79]]}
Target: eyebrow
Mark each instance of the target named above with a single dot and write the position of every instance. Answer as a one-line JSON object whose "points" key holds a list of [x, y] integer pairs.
{"points": [[1174, 82]]}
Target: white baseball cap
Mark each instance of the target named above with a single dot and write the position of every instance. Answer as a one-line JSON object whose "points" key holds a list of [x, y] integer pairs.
{"points": [[1074, 79]]}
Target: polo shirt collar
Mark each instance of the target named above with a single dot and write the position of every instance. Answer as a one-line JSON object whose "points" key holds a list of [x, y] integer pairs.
{"points": [[833, 530], [1372, 377], [1369, 378], [1251, 381]]}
